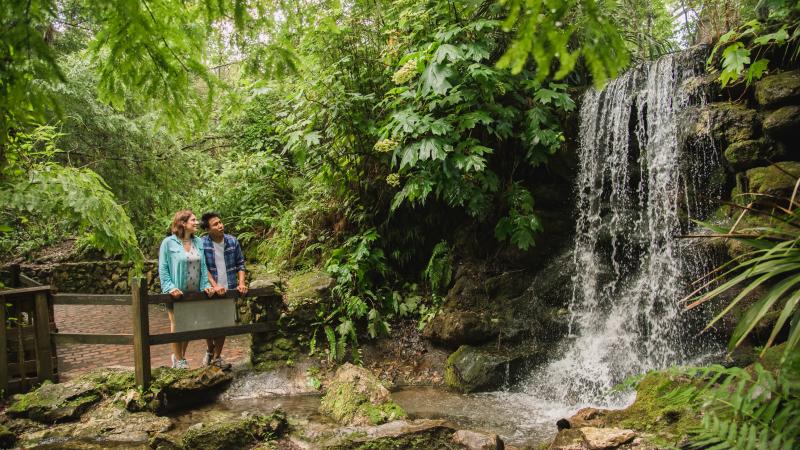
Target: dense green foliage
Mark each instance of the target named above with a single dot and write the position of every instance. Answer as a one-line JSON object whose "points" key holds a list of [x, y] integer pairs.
{"points": [[743, 408], [348, 136], [747, 51]]}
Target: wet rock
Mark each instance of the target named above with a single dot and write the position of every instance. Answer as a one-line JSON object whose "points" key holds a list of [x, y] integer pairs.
{"points": [[406, 434], [568, 439], [725, 122], [55, 402], [356, 397], [113, 423], [777, 180], [470, 368], [179, 389], [163, 441], [454, 328], [778, 89], [588, 417], [745, 155], [473, 440], [240, 433], [108, 422], [603, 438], [783, 122]]}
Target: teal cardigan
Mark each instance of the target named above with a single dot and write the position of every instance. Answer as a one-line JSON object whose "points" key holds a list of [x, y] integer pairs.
{"points": [[172, 264]]}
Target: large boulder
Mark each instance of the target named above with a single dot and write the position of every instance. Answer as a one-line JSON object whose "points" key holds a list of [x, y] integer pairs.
{"points": [[748, 154], [55, 402], [724, 122], [356, 397], [241, 433], [778, 89], [453, 328], [470, 368], [777, 180]]}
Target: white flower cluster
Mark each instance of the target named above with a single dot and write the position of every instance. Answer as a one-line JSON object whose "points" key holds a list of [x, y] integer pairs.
{"points": [[385, 145], [393, 179], [406, 73]]}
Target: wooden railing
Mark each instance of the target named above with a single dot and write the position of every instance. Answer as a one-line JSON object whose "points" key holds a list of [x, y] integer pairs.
{"points": [[37, 302], [27, 353]]}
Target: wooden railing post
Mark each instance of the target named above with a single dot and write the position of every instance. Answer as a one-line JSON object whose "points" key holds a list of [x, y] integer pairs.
{"points": [[3, 347], [44, 355], [141, 332]]}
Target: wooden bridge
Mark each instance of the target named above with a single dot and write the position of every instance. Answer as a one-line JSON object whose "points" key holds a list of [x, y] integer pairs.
{"points": [[29, 340]]}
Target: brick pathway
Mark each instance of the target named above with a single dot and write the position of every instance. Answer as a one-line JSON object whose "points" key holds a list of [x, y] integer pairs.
{"points": [[74, 359]]}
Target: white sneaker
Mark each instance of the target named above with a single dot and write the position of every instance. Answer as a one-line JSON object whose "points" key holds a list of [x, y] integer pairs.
{"points": [[207, 359], [182, 364]]}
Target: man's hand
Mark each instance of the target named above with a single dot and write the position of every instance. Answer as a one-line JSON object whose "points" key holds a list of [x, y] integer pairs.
{"points": [[175, 293], [220, 290], [242, 288], [209, 291]]}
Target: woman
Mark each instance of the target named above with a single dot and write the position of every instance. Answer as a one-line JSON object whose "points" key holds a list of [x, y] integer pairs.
{"points": [[182, 268]]}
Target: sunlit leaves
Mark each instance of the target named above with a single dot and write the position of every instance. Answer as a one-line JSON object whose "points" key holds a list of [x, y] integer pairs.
{"points": [[744, 48], [734, 58], [545, 29]]}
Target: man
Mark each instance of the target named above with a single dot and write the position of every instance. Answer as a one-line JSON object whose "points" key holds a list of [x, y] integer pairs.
{"points": [[225, 263]]}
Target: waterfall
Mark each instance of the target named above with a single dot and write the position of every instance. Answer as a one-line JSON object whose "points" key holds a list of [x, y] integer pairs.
{"points": [[633, 200]]}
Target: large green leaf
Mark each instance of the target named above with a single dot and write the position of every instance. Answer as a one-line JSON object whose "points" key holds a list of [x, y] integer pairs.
{"points": [[434, 79]]}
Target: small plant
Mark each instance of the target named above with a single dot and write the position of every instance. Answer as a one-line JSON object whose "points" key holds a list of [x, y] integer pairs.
{"points": [[439, 270]]}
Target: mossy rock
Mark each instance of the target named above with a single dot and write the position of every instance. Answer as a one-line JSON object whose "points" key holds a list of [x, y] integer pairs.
{"points": [[304, 293], [777, 180], [240, 433], [745, 155], [469, 368], [667, 420], [55, 402], [110, 381], [7, 438], [782, 121], [357, 397], [725, 122], [778, 89]]}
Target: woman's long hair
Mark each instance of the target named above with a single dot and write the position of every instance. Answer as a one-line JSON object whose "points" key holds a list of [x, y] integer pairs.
{"points": [[178, 226]]}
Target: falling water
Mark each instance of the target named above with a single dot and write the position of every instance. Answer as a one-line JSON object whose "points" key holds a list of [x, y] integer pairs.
{"points": [[631, 269]]}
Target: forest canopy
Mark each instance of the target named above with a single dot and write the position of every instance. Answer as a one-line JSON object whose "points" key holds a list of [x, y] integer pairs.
{"points": [[346, 135]]}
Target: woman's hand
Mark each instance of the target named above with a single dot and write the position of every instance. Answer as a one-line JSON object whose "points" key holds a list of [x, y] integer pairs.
{"points": [[175, 293], [242, 288], [209, 291], [220, 290]]}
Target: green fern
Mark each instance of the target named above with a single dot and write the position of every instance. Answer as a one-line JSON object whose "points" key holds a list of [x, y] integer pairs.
{"points": [[744, 408]]}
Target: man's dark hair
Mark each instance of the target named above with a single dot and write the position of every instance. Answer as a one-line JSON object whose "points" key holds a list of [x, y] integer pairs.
{"points": [[207, 218]]}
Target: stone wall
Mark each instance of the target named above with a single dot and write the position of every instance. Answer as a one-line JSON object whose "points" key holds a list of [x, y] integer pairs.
{"points": [[757, 137], [91, 277]]}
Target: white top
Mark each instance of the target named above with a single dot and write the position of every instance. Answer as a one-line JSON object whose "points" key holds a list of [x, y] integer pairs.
{"points": [[219, 259], [193, 267]]}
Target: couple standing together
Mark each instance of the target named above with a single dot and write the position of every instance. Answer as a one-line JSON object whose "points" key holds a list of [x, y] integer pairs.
{"points": [[212, 264]]}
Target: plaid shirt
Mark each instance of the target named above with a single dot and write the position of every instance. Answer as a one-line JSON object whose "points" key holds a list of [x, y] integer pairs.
{"points": [[234, 258]]}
